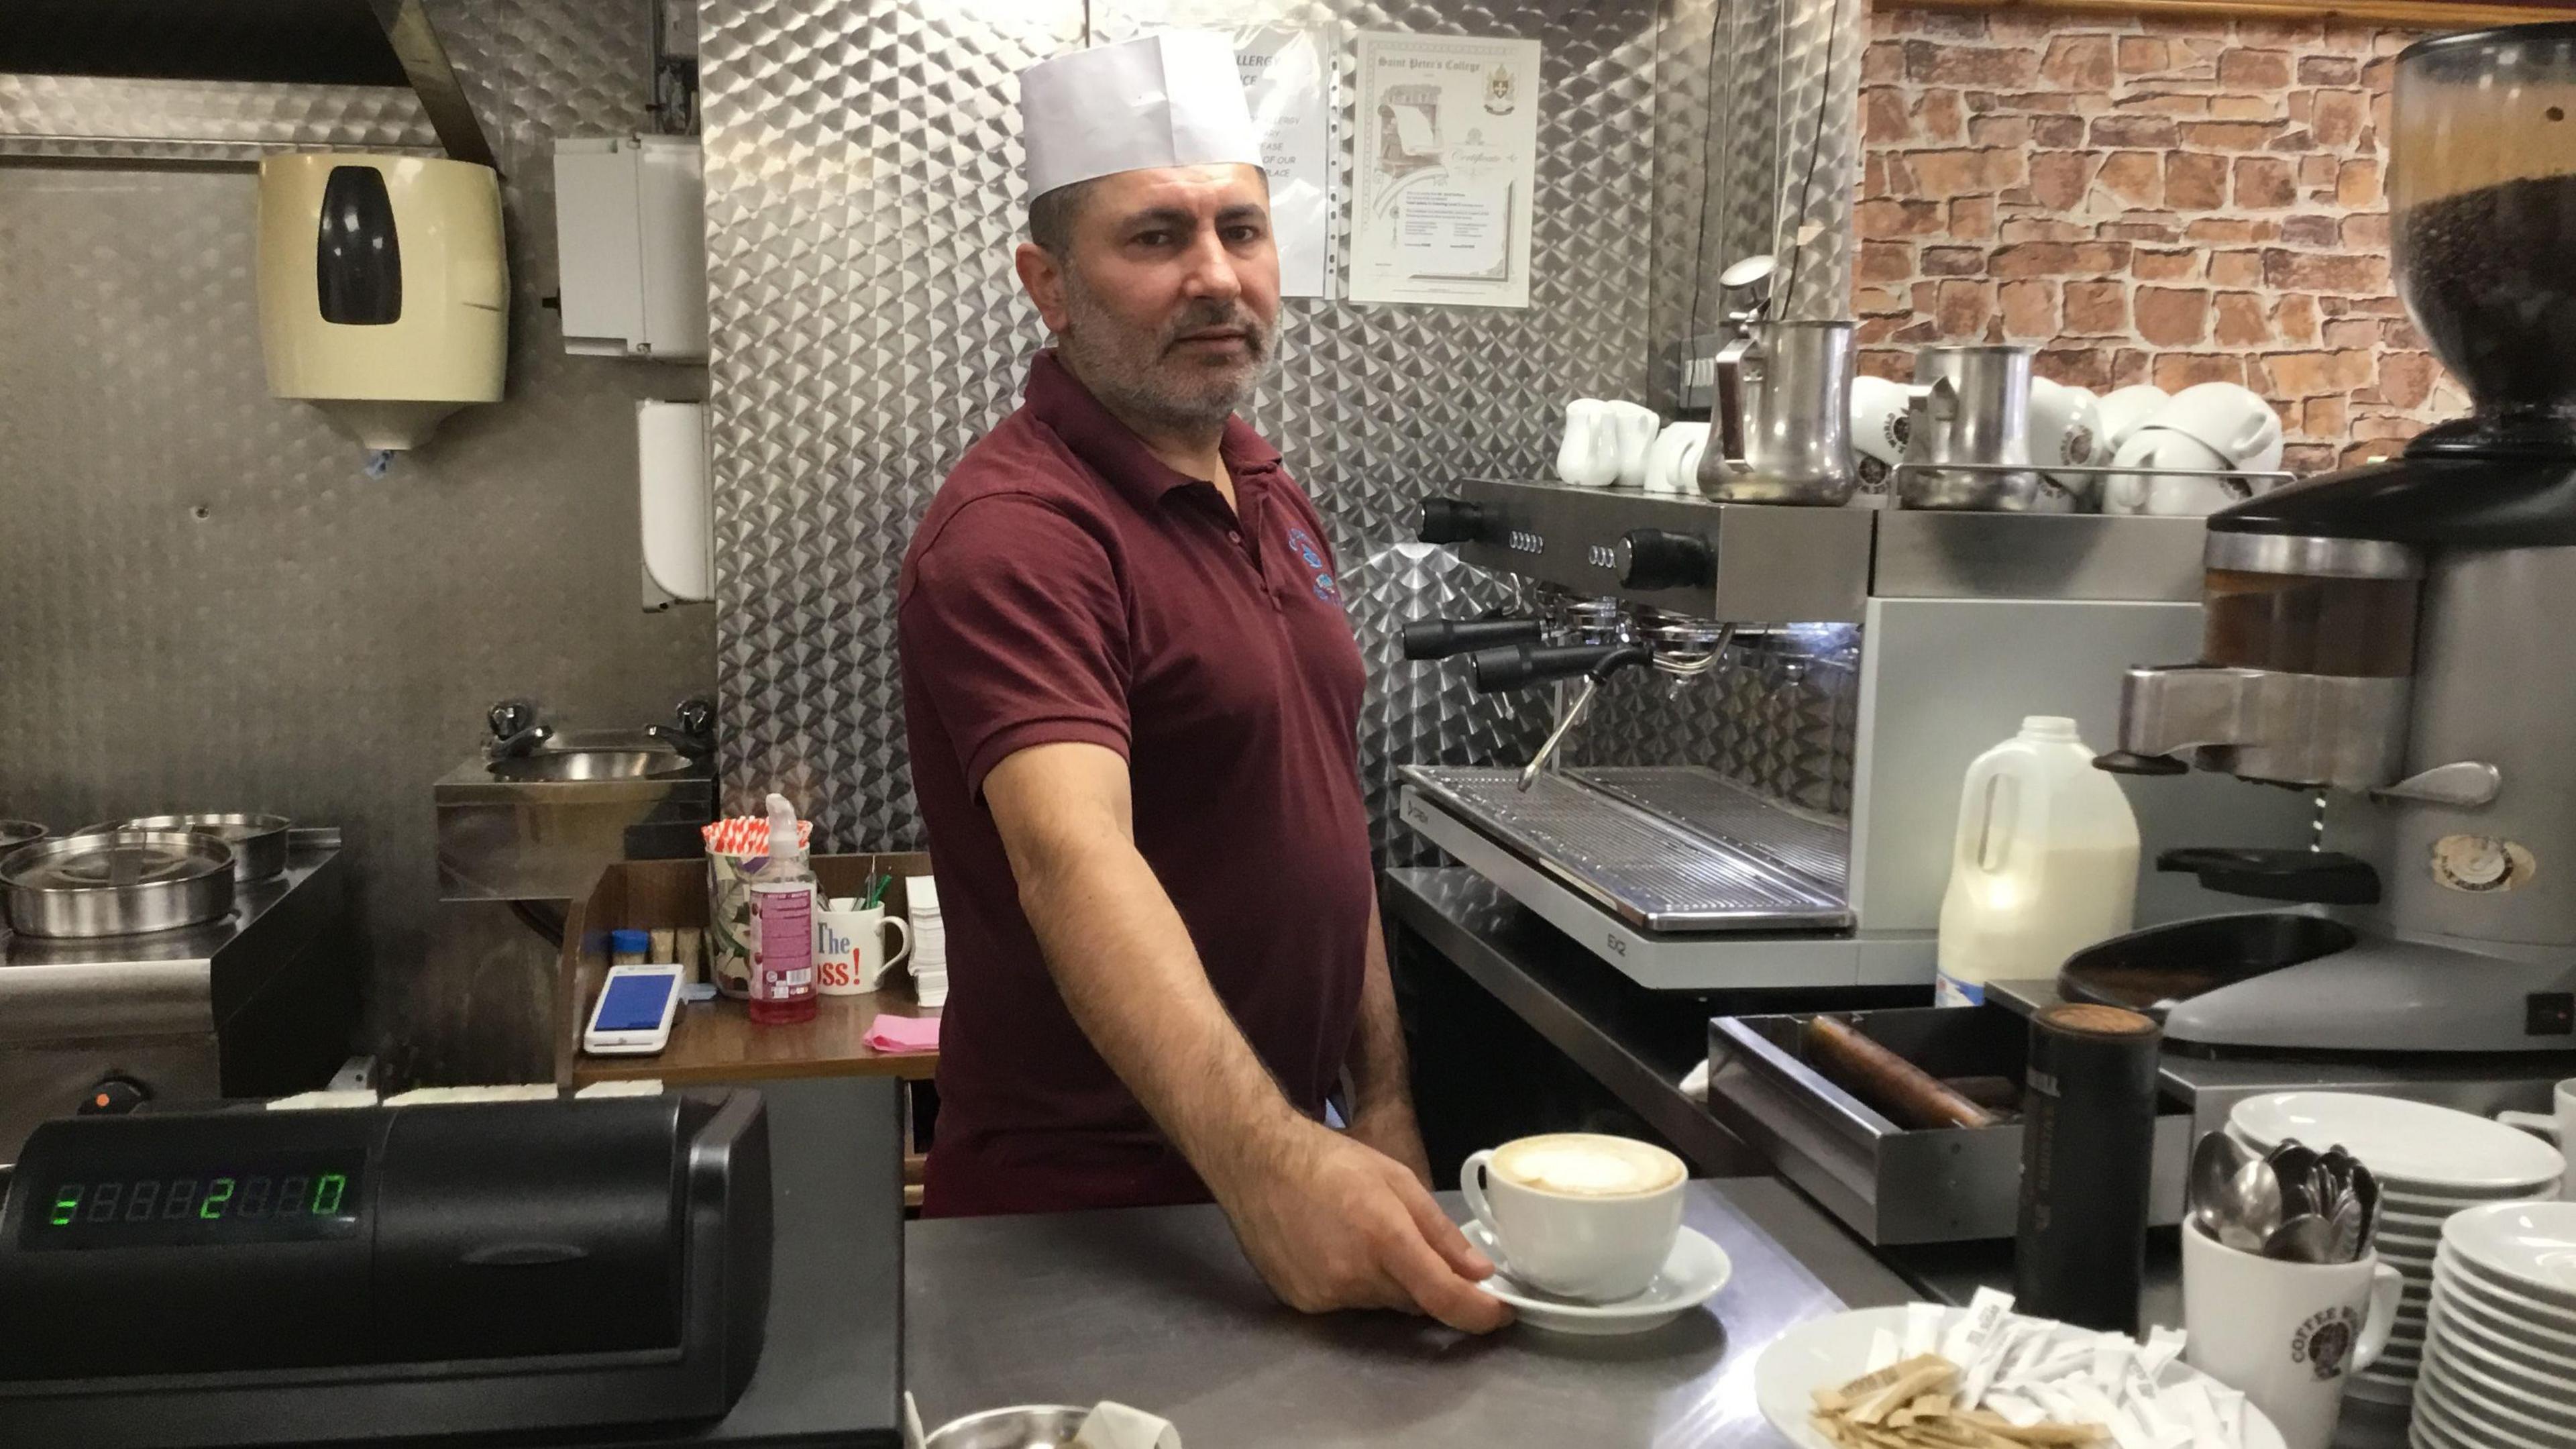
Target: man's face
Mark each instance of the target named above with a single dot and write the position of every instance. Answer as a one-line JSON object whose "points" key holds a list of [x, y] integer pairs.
{"points": [[1167, 301]]}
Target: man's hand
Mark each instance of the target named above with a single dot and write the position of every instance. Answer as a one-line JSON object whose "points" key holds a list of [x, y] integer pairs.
{"points": [[1331, 1223]]}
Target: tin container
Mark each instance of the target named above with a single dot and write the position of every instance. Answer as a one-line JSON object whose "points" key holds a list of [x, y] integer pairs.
{"points": [[258, 841]]}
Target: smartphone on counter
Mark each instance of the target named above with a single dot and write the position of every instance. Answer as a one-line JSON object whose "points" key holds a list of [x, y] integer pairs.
{"points": [[633, 1014]]}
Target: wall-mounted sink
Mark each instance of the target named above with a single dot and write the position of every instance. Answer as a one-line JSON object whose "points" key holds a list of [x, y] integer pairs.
{"points": [[539, 825], [596, 764]]}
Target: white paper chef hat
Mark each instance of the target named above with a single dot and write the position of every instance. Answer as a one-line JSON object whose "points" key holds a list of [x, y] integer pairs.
{"points": [[1173, 99]]}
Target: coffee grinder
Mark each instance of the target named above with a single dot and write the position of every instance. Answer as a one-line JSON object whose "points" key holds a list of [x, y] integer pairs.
{"points": [[2401, 639]]}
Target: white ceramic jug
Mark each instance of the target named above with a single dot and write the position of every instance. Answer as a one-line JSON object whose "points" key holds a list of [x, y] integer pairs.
{"points": [[2045, 862]]}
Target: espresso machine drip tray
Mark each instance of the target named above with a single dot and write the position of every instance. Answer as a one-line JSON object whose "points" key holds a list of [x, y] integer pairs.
{"points": [[1679, 849]]}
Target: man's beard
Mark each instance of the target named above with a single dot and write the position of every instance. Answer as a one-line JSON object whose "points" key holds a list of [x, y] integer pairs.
{"points": [[1147, 377]]}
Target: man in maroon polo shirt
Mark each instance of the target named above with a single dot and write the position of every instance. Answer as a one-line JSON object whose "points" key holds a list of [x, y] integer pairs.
{"points": [[1132, 697]]}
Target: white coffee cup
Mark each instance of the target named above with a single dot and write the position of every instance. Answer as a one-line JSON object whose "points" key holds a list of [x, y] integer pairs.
{"points": [[1878, 428], [2233, 421], [2558, 1128], [2121, 412], [1589, 455], [1578, 1214], [2065, 429], [850, 947], [2155, 446], [2285, 1333], [1635, 426], [1663, 461]]}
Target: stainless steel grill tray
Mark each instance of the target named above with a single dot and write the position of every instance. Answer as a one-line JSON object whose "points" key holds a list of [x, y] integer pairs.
{"points": [[1707, 855], [1701, 800]]}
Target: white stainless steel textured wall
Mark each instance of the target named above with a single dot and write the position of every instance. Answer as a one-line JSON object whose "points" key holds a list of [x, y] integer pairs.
{"points": [[863, 194], [206, 605]]}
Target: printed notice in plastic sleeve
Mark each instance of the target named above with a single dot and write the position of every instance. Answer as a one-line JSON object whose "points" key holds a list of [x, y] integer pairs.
{"points": [[1288, 83]]}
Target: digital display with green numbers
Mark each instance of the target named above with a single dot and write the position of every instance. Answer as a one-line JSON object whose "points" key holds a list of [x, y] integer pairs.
{"points": [[279, 1198]]}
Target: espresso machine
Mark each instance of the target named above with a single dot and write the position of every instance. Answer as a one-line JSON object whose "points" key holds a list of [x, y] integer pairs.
{"points": [[1869, 653], [2395, 642]]}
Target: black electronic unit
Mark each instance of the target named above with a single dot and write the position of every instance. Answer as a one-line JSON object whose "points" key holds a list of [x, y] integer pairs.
{"points": [[330, 1276]]}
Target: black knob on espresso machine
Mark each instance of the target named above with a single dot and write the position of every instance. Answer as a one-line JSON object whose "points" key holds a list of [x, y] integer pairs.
{"points": [[1454, 520], [1657, 558], [1440, 638], [1516, 665]]}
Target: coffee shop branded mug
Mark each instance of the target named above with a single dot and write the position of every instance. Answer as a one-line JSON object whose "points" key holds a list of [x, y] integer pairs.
{"points": [[2557, 1128], [2287, 1334], [1578, 1214]]}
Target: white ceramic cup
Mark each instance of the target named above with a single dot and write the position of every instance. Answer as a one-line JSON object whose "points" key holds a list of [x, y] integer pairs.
{"points": [[1589, 455], [2123, 411], [1634, 426], [2155, 446], [2233, 421], [850, 949], [1598, 1246], [2557, 1128], [2287, 1334], [2065, 428], [1663, 461], [1879, 427]]}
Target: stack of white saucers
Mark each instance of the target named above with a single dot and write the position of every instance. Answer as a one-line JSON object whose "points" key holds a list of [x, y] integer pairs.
{"points": [[929, 940], [2431, 1162], [2499, 1367]]}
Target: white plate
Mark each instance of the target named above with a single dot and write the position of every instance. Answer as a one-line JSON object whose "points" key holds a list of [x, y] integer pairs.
{"points": [[2501, 1308], [1826, 1352], [2453, 1420], [2471, 1333], [1692, 1273], [2540, 1399], [2408, 1144], [2531, 1243], [2489, 1417]]}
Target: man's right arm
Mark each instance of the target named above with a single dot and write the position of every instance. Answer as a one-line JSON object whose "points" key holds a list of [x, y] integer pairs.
{"points": [[1328, 1222]]}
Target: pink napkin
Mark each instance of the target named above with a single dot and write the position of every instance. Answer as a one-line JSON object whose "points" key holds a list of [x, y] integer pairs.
{"points": [[904, 1034]]}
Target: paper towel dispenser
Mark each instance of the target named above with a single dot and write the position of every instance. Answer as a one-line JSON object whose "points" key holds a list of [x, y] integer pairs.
{"points": [[383, 289]]}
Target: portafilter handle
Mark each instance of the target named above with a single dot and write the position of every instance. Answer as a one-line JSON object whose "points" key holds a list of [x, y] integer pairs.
{"points": [[1440, 638], [1517, 666]]}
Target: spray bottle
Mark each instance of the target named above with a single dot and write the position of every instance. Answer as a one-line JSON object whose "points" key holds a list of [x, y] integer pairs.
{"points": [[782, 925]]}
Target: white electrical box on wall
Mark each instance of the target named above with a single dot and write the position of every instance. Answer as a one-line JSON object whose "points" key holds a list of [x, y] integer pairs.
{"points": [[630, 234]]}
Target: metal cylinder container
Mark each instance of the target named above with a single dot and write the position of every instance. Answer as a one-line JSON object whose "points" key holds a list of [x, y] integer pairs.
{"points": [[1782, 417]]}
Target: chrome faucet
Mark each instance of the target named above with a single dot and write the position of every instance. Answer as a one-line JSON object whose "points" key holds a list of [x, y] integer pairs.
{"points": [[515, 731], [692, 730]]}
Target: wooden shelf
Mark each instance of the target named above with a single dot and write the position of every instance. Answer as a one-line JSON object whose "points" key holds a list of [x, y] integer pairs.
{"points": [[716, 1041]]}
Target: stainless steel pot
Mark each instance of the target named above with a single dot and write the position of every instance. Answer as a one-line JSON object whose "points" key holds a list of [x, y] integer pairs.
{"points": [[1782, 417], [118, 883], [15, 833], [1974, 409], [258, 841]]}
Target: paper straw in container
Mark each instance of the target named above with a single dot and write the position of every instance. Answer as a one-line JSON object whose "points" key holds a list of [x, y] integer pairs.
{"points": [[737, 856]]}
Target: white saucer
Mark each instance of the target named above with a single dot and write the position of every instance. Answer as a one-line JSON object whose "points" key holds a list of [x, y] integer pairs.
{"points": [[2410, 1145], [2484, 1341], [2531, 1244], [1824, 1352], [1692, 1273]]}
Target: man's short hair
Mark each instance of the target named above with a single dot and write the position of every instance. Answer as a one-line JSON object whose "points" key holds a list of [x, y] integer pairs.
{"points": [[1051, 218]]}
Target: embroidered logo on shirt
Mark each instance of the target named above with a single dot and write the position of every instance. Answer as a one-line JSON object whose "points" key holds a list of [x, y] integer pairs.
{"points": [[1313, 558]]}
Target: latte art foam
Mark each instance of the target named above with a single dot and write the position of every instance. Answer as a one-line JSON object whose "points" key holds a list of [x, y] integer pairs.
{"points": [[1583, 1164]]}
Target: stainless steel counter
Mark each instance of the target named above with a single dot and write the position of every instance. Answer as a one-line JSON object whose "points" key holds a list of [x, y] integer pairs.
{"points": [[1156, 1307]]}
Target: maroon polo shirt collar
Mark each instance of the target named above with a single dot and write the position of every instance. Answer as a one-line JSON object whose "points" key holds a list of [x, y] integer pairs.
{"points": [[1113, 450]]}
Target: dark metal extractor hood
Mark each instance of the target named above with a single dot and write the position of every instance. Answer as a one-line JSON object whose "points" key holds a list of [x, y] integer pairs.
{"points": [[295, 42]]}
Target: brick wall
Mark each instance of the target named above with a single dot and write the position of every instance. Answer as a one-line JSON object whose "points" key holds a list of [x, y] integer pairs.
{"points": [[2148, 200]]}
